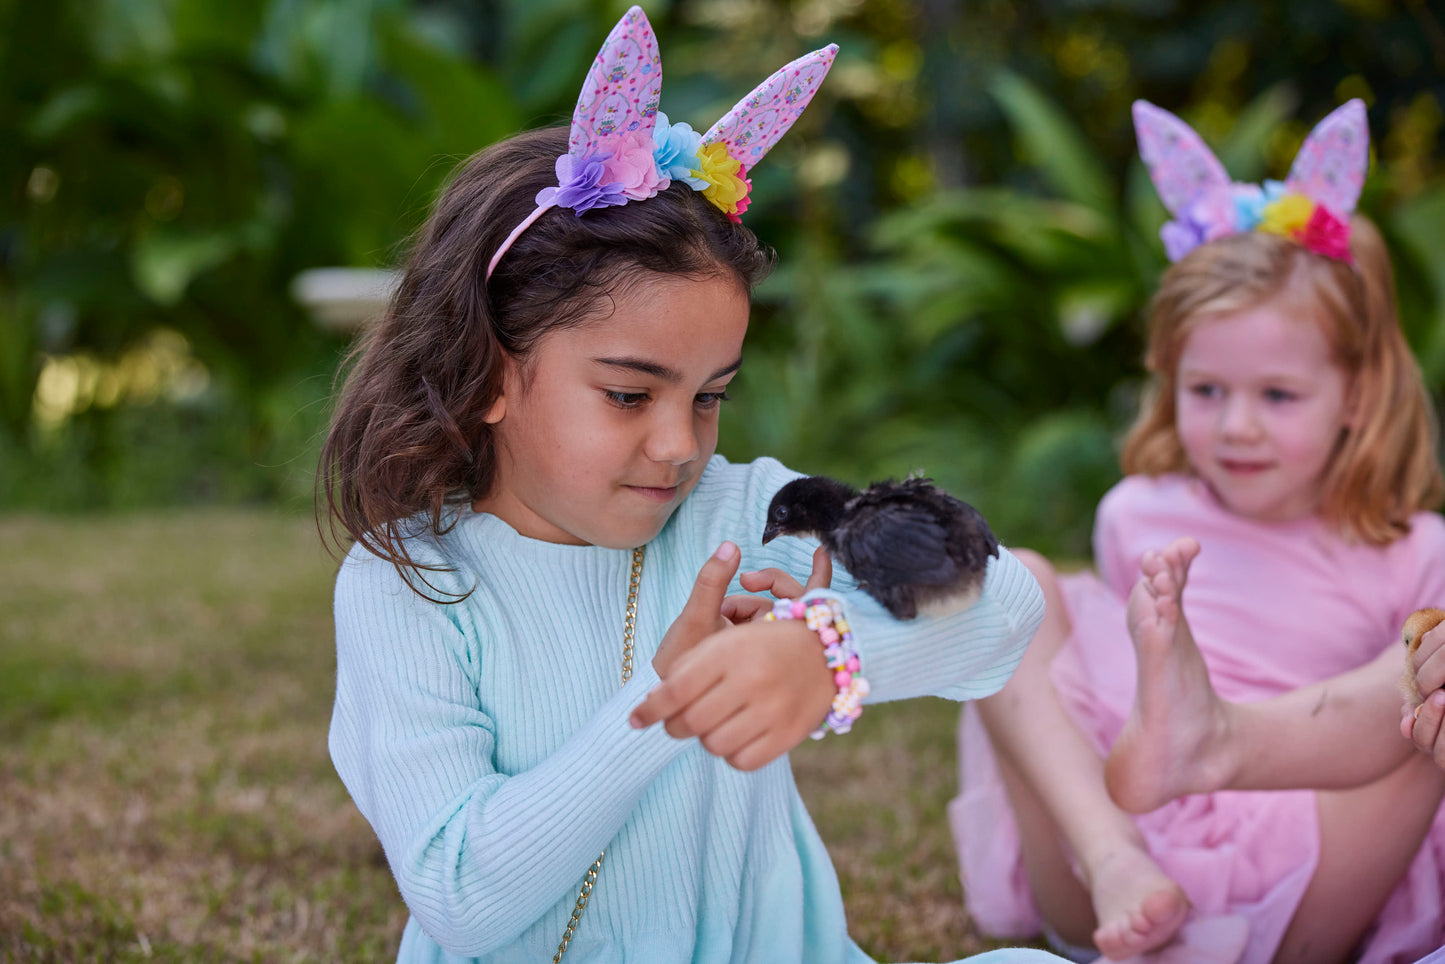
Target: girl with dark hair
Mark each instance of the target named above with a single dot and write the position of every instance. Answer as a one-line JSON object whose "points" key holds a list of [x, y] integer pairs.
{"points": [[524, 456]]}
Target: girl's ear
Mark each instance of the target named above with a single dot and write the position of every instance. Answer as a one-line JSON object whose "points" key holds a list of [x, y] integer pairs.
{"points": [[1352, 404], [498, 409]]}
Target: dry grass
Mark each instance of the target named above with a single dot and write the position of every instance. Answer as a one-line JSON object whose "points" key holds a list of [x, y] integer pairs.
{"points": [[165, 687]]}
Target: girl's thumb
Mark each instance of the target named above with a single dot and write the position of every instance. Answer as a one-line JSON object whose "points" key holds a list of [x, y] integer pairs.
{"points": [[712, 583]]}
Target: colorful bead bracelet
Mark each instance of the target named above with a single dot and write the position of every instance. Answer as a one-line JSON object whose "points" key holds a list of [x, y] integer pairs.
{"points": [[824, 615]]}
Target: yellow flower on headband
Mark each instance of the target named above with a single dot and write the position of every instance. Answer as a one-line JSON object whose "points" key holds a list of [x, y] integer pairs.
{"points": [[1287, 216], [720, 169]]}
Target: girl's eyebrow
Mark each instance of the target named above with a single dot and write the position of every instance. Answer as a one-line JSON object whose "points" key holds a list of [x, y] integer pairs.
{"points": [[656, 370]]}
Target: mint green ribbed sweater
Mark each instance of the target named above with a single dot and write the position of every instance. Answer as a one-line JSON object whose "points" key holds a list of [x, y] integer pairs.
{"points": [[487, 743]]}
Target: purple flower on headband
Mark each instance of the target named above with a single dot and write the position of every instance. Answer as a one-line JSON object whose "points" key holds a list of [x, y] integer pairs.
{"points": [[675, 151], [1212, 215], [1181, 237], [579, 185]]}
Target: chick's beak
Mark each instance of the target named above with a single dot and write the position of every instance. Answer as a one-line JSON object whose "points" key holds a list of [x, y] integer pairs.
{"points": [[771, 532]]}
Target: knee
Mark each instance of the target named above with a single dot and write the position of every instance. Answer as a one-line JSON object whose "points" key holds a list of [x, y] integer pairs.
{"points": [[1042, 569]]}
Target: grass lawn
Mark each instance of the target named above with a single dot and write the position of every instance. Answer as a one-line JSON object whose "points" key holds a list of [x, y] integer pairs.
{"points": [[165, 689]]}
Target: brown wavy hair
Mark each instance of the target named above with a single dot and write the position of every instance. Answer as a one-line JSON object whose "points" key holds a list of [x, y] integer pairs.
{"points": [[407, 438], [1385, 465]]}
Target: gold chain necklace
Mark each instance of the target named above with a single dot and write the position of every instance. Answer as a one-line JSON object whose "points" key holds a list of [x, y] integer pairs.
{"points": [[628, 629]]}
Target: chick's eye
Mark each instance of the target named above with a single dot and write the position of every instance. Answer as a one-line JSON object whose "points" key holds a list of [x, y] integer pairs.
{"points": [[780, 513]]}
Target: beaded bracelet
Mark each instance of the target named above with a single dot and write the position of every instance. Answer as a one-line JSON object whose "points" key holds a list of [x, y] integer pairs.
{"points": [[824, 615]]}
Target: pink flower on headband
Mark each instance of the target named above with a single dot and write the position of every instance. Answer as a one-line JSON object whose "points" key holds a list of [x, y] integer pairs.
{"points": [[747, 198], [1327, 235], [580, 185], [632, 167]]}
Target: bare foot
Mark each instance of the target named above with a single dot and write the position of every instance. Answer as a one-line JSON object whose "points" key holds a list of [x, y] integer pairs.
{"points": [[1137, 906], [1175, 739]]}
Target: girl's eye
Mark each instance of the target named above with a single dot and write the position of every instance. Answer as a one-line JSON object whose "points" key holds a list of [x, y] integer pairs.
{"points": [[625, 399], [710, 399], [1278, 395], [1204, 390]]}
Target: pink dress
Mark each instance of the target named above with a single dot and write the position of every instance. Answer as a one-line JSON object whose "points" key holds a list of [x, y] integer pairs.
{"points": [[1272, 607]]}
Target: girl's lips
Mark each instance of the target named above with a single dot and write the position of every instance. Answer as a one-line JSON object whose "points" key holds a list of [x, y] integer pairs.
{"points": [[655, 493], [1242, 468]]}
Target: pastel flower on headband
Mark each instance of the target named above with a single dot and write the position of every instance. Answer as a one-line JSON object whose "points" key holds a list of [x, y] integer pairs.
{"points": [[746, 199], [633, 167], [724, 176], [674, 151], [623, 149], [580, 185], [1327, 234], [1287, 216], [1312, 206]]}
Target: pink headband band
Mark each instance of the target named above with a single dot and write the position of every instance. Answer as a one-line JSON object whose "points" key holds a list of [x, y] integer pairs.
{"points": [[622, 148], [1312, 206]]}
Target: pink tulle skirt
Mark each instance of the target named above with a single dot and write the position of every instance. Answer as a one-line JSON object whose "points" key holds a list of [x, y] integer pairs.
{"points": [[1236, 854]]}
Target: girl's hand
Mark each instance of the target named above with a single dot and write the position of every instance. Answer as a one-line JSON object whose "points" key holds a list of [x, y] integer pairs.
{"points": [[1422, 724], [702, 614], [745, 608], [750, 692]]}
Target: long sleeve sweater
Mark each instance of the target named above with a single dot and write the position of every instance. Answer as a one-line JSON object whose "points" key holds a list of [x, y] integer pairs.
{"points": [[488, 744]]}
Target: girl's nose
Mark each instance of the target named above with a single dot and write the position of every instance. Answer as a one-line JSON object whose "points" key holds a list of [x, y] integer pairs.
{"points": [[673, 438], [1238, 419]]}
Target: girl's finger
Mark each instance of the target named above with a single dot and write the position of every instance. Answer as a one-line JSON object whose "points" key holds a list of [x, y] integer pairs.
{"points": [[1430, 660], [711, 587], [822, 575], [756, 753], [705, 714], [734, 733], [772, 580], [688, 679], [1426, 731], [744, 608]]}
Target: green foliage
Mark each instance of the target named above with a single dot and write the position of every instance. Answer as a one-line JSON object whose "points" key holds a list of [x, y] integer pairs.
{"points": [[966, 241], [174, 165]]}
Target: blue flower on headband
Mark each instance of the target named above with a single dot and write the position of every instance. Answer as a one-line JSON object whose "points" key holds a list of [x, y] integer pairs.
{"points": [[1249, 201], [675, 149], [580, 185]]}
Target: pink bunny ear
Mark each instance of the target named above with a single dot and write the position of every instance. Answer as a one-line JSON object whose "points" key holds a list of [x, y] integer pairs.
{"points": [[622, 88], [1182, 168], [1331, 164], [756, 122]]}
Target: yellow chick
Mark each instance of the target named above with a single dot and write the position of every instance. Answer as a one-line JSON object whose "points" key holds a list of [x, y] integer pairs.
{"points": [[1417, 624]]}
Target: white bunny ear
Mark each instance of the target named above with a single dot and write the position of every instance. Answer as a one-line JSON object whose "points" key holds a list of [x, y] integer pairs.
{"points": [[756, 122], [1181, 166], [1331, 164], [622, 87]]}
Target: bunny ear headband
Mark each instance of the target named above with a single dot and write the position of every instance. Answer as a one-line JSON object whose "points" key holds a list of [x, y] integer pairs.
{"points": [[1312, 206], [622, 148]]}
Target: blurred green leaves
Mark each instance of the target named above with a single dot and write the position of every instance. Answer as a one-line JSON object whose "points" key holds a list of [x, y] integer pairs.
{"points": [[966, 240]]}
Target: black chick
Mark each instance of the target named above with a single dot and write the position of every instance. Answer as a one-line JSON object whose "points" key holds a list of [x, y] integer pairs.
{"points": [[910, 545]]}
